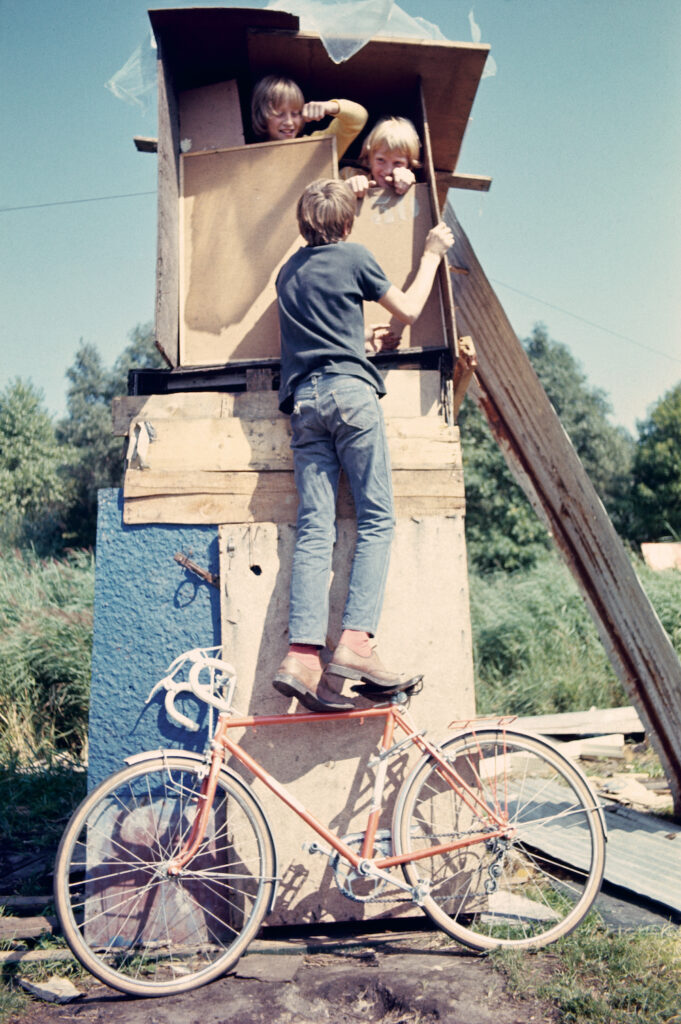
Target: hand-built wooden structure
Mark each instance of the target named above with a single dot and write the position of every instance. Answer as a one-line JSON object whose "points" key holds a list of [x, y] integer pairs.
{"points": [[208, 446]]}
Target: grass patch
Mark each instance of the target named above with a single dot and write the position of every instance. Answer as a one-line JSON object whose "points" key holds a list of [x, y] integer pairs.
{"points": [[35, 805], [46, 612], [535, 645], [598, 976]]}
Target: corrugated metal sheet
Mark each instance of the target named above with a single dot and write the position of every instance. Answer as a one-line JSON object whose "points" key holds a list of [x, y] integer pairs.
{"points": [[644, 855]]}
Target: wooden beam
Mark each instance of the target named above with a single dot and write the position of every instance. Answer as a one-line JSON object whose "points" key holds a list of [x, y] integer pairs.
{"points": [[471, 182], [542, 459], [145, 144], [436, 203]]}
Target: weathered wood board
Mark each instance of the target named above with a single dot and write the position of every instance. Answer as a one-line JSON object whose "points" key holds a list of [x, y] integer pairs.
{"points": [[272, 498], [409, 393], [216, 445]]}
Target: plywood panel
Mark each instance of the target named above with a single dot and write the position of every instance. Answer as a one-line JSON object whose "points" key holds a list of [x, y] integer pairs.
{"points": [[238, 225], [394, 229], [210, 117]]}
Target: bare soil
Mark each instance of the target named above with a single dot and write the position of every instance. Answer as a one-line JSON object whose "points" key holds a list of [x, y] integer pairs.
{"points": [[404, 979]]}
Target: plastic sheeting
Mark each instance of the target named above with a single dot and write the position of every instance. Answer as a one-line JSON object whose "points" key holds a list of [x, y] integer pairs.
{"points": [[344, 27]]}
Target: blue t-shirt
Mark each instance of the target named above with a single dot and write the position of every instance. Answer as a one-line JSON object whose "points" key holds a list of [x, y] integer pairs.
{"points": [[321, 290]]}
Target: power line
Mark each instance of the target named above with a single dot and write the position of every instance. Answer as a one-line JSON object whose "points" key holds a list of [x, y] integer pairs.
{"points": [[518, 291], [70, 202], [590, 323]]}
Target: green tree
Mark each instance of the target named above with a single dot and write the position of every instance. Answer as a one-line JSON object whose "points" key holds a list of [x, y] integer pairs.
{"points": [[32, 487], [657, 471], [502, 529], [96, 455], [606, 451]]}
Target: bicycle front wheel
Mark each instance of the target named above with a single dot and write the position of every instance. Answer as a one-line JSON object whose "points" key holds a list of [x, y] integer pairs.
{"points": [[131, 923], [532, 842]]}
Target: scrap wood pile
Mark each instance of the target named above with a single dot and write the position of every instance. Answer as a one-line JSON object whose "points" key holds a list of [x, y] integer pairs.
{"points": [[615, 752]]}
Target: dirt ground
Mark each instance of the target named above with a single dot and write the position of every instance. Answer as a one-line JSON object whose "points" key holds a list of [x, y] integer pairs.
{"points": [[402, 979]]}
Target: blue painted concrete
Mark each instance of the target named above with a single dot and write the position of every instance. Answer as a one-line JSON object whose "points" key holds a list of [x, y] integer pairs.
{"points": [[148, 609]]}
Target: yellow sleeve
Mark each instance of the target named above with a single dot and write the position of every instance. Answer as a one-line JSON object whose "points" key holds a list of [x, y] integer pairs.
{"points": [[346, 125]]}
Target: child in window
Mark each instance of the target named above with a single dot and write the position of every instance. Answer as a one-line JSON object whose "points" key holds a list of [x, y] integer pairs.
{"points": [[279, 112], [390, 152], [331, 391]]}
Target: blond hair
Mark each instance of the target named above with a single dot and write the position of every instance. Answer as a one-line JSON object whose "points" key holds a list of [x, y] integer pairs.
{"points": [[269, 94], [326, 211], [396, 134]]}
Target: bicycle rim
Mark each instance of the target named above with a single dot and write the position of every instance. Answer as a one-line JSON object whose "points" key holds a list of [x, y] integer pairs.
{"points": [[131, 924], [532, 883]]}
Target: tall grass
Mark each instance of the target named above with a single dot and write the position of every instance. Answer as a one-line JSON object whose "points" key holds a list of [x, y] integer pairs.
{"points": [[45, 652], [535, 645]]}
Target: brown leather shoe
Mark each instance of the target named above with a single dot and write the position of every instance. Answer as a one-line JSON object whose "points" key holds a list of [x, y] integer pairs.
{"points": [[294, 679], [371, 669]]}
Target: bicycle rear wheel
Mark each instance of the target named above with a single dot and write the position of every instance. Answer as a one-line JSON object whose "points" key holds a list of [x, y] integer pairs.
{"points": [[129, 922], [524, 884]]}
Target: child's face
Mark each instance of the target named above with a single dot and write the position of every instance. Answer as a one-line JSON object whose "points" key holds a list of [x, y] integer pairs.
{"points": [[286, 122], [383, 162]]}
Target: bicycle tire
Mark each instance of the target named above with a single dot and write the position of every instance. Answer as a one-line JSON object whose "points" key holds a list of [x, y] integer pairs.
{"points": [[527, 887], [126, 920]]}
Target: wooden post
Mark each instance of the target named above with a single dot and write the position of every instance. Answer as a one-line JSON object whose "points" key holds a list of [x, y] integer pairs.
{"points": [[542, 459]]}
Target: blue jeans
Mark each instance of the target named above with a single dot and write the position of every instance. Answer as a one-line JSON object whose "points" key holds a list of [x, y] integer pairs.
{"points": [[337, 423]]}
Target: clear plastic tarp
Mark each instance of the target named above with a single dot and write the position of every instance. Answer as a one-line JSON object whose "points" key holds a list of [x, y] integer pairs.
{"points": [[344, 27]]}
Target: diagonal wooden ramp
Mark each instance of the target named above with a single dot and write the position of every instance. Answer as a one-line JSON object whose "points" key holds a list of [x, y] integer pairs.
{"points": [[543, 461]]}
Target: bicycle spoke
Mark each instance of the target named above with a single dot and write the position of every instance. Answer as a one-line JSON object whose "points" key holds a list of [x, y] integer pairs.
{"points": [[127, 918]]}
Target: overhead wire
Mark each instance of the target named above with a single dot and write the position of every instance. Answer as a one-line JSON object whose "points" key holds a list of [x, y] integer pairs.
{"points": [[503, 284]]}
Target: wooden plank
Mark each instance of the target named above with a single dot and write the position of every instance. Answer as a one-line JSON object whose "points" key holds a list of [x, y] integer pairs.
{"points": [[35, 956], [545, 464], [202, 510], [264, 444], [32, 902], [272, 498], [151, 483], [145, 143], [436, 203], [25, 927], [409, 393], [609, 746], [595, 722], [167, 255], [471, 182]]}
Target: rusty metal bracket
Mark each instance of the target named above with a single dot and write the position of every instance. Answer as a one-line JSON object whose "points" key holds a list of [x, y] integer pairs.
{"points": [[190, 566]]}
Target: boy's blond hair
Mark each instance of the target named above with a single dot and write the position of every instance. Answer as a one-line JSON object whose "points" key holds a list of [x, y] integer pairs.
{"points": [[269, 93], [326, 211], [395, 133]]}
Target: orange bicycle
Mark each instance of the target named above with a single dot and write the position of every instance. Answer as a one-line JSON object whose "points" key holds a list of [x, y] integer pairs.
{"points": [[167, 869]]}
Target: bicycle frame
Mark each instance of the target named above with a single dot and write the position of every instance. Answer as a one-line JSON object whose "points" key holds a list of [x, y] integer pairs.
{"points": [[496, 818]]}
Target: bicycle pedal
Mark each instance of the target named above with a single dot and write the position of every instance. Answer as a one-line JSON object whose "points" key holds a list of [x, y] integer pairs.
{"points": [[373, 692]]}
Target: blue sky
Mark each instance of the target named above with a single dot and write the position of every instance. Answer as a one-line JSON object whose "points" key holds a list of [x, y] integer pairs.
{"points": [[579, 129]]}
